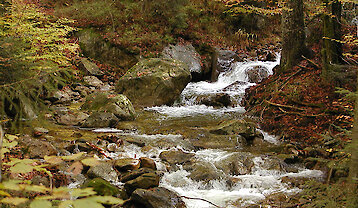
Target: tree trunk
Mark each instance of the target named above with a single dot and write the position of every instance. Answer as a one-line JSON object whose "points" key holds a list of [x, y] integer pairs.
{"points": [[332, 48], [293, 35]]}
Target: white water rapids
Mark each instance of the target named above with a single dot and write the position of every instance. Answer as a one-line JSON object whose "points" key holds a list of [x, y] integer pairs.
{"points": [[260, 182]]}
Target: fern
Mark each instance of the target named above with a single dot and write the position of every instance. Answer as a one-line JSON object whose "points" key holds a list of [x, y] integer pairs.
{"points": [[35, 58]]}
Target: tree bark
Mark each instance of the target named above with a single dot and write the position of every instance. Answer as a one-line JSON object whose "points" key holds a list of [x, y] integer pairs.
{"points": [[332, 48], [293, 35]]}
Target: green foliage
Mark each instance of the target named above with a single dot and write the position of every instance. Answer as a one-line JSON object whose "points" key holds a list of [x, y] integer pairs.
{"points": [[35, 58], [14, 192]]}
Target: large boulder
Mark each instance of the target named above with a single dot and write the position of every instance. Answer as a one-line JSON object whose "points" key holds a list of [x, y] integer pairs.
{"points": [[37, 147], [107, 110], [154, 82], [145, 181], [156, 198], [186, 53]]}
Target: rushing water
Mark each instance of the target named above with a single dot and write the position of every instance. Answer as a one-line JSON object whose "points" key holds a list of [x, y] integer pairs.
{"points": [[188, 113]]}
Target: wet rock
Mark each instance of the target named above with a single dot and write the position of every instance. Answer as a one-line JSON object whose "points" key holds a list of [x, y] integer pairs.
{"points": [[216, 100], [103, 170], [186, 53], [176, 157], [112, 147], [134, 174], [78, 146], [100, 120], [204, 171], [37, 148], [137, 141], [145, 181], [294, 181], [154, 82], [92, 81], [147, 163], [126, 164], [119, 105], [102, 187], [256, 74], [219, 142], [239, 163], [89, 67], [59, 110], [39, 131], [156, 198], [237, 127], [71, 119]]}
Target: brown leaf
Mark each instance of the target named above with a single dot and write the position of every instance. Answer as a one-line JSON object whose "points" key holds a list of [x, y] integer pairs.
{"points": [[76, 168]]}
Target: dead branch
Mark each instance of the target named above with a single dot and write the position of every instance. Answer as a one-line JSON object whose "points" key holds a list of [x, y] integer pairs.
{"points": [[311, 62], [294, 74], [284, 106], [98, 149], [300, 114], [186, 197]]}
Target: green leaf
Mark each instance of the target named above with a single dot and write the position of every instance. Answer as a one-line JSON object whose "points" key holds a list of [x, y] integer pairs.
{"points": [[11, 137], [90, 161], [87, 203], [21, 168], [40, 203], [107, 200], [36, 188], [83, 192], [14, 200], [73, 157]]}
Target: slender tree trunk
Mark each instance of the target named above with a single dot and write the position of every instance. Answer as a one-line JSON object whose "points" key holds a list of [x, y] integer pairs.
{"points": [[332, 48], [293, 35]]}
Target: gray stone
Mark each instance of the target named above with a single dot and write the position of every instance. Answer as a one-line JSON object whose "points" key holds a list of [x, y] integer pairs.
{"points": [[185, 53], [175, 157], [256, 74], [92, 81], [104, 170], [145, 181], [37, 148], [100, 120], [119, 105], [89, 67], [157, 198]]}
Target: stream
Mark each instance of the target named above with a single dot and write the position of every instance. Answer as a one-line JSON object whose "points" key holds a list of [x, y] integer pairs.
{"points": [[209, 176]]}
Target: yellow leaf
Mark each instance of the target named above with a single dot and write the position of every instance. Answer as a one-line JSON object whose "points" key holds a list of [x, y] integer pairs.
{"points": [[90, 161], [53, 159], [73, 157], [3, 193], [40, 203], [14, 200]]}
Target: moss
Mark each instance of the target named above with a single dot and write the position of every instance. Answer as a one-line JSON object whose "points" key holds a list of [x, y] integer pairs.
{"points": [[102, 187]]}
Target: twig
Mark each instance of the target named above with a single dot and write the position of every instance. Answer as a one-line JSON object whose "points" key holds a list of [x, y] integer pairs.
{"points": [[294, 74], [284, 106], [1, 140], [98, 149], [186, 197], [311, 62], [300, 114]]}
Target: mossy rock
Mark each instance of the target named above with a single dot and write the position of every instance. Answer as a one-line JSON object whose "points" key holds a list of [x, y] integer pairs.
{"points": [[154, 82], [102, 187], [118, 104]]}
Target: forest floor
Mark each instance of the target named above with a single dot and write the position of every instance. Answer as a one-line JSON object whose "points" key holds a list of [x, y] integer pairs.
{"points": [[315, 119]]}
